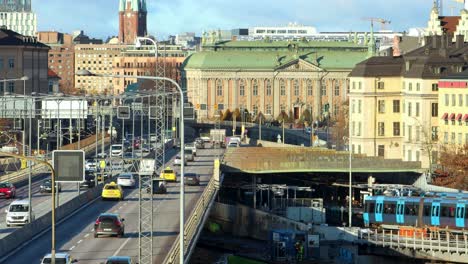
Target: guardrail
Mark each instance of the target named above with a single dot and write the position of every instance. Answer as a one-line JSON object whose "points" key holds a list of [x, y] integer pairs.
{"points": [[194, 223], [23, 174]]}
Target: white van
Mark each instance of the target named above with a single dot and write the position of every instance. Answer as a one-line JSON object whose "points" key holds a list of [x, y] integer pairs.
{"points": [[18, 213], [117, 150]]}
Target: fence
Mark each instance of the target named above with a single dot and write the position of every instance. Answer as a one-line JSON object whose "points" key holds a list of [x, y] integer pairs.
{"points": [[195, 222]]}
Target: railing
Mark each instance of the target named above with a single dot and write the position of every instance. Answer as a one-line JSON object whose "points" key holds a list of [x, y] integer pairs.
{"points": [[430, 241], [194, 223]]}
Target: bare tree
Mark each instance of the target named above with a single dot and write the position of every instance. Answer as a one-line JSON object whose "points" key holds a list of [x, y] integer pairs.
{"points": [[340, 129], [454, 167]]}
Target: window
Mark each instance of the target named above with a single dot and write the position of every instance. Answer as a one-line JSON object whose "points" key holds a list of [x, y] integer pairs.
{"points": [[410, 86], [403, 129], [323, 89], [268, 87], [337, 88], [409, 109], [309, 88], [446, 137], [434, 133], [466, 140], [396, 106], [410, 155], [418, 87], [353, 104], [417, 109], [410, 133], [381, 151], [453, 138], [434, 109], [11, 87], [255, 110], [381, 129], [219, 87], [381, 106], [220, 106], [2, 88], [353, 126], [1, 64], [460, 138], [268, 109], [296, 88], [380, 85], [51, 86], [418, 133], [404, 86], [354, 85], [396, 128], [282, 87], [11, 63], [460, 100], [454, 100], [241, 88], [447, 100], [359, 149], [360, 85], [254, 88], [359, 129], [435, 87], [359, 106]]}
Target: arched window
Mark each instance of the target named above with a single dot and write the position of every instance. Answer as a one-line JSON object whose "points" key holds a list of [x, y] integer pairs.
{"points": [[296, 88], [268, 87], [241, 87], [254, 88], [309, 88], [282, 87], [219, 87]]}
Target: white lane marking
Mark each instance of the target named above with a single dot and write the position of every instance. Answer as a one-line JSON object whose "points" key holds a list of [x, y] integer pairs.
{"points": [[87, 235], [81, 240], [72, 248], [120, 248]]}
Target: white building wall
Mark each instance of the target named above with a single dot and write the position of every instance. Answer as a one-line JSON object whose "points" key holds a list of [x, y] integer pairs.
{"points": [[24, 23]]}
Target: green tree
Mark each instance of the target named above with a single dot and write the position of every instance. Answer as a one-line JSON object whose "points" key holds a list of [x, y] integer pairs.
{"points": [[236, 114], [282, 116], [227, 115]]}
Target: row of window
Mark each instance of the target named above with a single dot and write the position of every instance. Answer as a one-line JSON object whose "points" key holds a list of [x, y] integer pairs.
{"points": [[455, 138], [396, 107], [10, 63], [447, 100], [7, 87], [381, 86], [296, 85]]}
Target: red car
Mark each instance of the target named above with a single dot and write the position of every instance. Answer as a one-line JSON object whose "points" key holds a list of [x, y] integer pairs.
{"points": [[7, 190]]}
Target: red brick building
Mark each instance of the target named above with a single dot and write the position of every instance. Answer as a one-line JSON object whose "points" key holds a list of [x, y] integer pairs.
{"points": [[132, 20]]}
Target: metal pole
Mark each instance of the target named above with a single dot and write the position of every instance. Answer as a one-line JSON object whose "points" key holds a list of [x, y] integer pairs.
{"points": [[260, 128], [29, 164], [182, 185], [98, 121], [284, 140], [350, 213]]}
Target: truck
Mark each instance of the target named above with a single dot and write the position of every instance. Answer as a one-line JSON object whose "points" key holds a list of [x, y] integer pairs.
{"points": [[146, 167], [217, 137]]}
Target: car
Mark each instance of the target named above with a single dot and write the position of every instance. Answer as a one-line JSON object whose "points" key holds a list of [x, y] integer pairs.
{"points": [[233, 144], [89, 180], [102, 155], [90, 165], [7, 190], [119, 260], [159, 186], [191, 178], [46, 186], [168, 174], [178, 161], [199, 143], [60, 258], [192, 147], [189, 155], [126, 180], [116, 150], [112, 191], [18, 213], [109, 224]]}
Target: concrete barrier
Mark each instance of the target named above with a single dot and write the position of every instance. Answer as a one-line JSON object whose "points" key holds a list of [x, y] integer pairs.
{"points": [[27, 232]]}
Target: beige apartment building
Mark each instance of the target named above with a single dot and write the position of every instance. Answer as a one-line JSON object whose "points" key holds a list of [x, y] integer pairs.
{"points": [[399, 96], [453, 109]]}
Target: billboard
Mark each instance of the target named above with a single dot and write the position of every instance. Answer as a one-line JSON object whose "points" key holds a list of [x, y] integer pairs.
{"points": [[64, 109], [69, 165]]}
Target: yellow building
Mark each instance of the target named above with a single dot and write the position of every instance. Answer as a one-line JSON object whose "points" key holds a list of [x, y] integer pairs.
{"points": [[395, 100], [453, 109]]}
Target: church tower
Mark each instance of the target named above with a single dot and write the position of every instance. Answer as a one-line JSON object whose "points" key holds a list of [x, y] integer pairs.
{"points": [[132, 20]]}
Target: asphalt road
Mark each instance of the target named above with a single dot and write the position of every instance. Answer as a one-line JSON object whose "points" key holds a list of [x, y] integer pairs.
{"points": [[75, 235]]}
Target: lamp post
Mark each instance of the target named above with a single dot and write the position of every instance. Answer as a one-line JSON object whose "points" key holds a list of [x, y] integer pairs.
{"points": [[350, 209], [182, 147]]}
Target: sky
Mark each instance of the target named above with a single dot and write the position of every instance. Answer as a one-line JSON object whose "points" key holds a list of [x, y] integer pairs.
{"points": [[99, 18]]}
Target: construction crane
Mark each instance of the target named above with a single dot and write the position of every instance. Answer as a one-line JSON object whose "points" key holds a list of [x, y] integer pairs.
{"points": [[382, 21]]}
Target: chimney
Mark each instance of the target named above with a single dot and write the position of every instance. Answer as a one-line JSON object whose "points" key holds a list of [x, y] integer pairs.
{"points": [[460, 40]]}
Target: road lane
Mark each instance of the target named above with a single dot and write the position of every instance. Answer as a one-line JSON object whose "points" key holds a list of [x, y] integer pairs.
{"points": [[76, 236]]}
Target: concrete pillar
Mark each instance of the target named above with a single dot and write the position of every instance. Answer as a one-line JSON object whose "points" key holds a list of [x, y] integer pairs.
{"points": [[225, 93], [262, 94], [288, 96], [317, 99], [248, 92], [235, 93], [276, 97]]}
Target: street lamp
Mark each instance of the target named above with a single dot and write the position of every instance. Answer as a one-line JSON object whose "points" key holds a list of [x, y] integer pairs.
{"points": [[350, 209], [182, 147]]}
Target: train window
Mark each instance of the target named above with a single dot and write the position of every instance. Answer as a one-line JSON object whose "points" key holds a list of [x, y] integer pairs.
{"points": [[451, 212], [411, 209], [427, 210], [371, 207], [407, 209], [392, 208], [444, 211]]}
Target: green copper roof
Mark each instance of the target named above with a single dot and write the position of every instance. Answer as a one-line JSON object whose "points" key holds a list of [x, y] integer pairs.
{"points": [[301, 44], [268, 60]]}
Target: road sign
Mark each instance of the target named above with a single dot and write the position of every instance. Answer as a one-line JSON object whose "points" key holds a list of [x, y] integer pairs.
{"points": [[69, 165], [123, 112], [153, 111]]}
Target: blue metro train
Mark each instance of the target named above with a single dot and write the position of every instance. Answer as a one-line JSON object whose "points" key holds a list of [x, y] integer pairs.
{"points": [[442, 212]]}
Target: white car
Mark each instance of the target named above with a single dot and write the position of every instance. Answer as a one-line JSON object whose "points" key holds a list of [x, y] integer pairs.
{"points": [[18, 213], [90, 165], [117, 150], [60, 258], [233, 144], [126, 180], [192, 147], [178, 161]]}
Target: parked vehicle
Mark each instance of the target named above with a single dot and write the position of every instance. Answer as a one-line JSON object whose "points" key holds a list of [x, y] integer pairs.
{"points": [[7, 190], [18, 213], [109, 224], [191, 178], [60, 258]]}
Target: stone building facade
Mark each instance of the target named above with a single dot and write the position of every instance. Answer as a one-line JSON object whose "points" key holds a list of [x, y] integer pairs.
{"points": [[270, 77]]}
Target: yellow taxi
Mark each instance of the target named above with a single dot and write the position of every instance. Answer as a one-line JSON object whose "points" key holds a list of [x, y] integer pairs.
{"points": [[112, 191], [168, 174]]}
